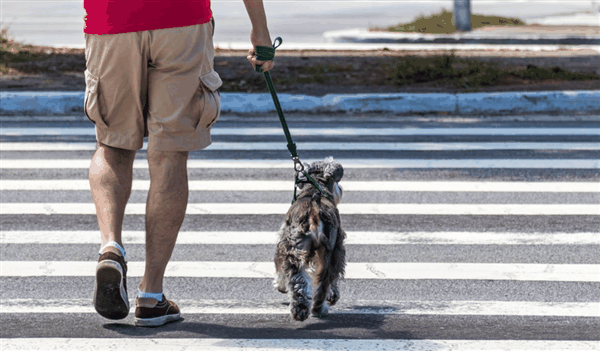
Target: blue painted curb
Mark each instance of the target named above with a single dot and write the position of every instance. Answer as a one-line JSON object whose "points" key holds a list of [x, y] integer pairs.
{"points": [[41, 103], [530, 102], [65, 103]]}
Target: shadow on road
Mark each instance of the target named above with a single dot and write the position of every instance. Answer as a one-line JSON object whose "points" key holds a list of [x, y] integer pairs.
{"points": [[335, 326]]}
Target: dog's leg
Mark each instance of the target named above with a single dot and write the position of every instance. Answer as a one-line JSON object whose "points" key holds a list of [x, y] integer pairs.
{"points": [[279, 281], [338, 264], [323, 280], [299, 287]]}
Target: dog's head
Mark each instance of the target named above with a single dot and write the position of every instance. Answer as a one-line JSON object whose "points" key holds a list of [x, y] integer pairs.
{"points": [[327, 173]]}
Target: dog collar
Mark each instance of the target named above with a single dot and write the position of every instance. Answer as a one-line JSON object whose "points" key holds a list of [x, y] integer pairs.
{"points": [[311, 180]]}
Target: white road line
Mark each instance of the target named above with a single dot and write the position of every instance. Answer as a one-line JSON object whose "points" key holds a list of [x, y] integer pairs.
{"points": [[347, 163], [345, 209], [275, 185], [442, 271], [174, 344], [334, 131], [362, 307], [353, 238], [348, 146]]}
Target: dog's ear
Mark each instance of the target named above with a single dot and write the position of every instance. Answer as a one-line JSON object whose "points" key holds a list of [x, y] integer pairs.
{"points": [[315, 167], [334, 170]]}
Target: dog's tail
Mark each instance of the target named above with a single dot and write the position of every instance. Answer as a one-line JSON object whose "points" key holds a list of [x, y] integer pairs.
{"points": [[316, 227]]}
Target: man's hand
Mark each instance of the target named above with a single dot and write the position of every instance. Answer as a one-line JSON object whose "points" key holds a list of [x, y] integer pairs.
{"points": [[260, 33]]}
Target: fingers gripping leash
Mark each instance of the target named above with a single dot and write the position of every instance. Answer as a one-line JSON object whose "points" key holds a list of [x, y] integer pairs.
{"points": [[266, 53]]}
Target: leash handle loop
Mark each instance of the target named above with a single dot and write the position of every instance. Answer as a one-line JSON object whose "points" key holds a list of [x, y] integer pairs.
{"points": [[266, 53]]}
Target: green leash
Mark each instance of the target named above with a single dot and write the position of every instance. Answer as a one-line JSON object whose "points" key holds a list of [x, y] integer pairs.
{"points": [[266, 53]]}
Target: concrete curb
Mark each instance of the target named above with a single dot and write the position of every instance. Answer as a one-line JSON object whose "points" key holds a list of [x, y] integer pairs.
{"points": [[68, 103], [474, 37], [529, 102], [38, 102], [331, 46]]}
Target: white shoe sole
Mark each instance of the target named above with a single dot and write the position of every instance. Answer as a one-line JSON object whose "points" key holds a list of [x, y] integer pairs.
{"points": [[110, 297], [156, 321]]}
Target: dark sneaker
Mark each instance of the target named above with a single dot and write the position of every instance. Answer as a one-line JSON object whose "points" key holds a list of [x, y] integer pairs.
{"points": [[152, 313], [110, 288]]}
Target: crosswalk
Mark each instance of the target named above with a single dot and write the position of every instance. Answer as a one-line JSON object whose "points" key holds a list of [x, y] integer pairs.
{"points": [[462, 236]]}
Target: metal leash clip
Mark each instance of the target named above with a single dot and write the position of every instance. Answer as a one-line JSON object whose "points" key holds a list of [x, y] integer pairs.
{"points": [[298, 166]]}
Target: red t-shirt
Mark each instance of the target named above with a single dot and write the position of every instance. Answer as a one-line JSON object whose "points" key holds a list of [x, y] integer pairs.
{"points": [[123, 16]]}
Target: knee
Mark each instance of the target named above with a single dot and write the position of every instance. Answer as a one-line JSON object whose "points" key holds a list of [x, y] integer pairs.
{"points": [[111, 164], [168, 169], [164, 159]]}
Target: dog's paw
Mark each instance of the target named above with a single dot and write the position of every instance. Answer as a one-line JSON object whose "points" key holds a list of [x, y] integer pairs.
{"points": [[333, 297], [300, 312], [280, 286], [321, 312]]}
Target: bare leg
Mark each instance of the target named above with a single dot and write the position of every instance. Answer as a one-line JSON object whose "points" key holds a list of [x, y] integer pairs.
{"points": [[110, 176], [165, 210]]}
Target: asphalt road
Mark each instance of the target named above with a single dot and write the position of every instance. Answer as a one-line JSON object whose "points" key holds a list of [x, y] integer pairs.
{"points": [[527, 280]]}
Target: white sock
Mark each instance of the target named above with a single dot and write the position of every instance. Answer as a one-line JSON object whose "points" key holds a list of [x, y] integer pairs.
{"points": [[113, 244], [156, 296]]}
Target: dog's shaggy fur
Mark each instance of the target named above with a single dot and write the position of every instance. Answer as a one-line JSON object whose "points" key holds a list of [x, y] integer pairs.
{"points": [[311, 244]]}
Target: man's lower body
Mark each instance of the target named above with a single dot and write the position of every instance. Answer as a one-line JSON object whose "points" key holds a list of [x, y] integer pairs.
{"points": [[160, 84]]}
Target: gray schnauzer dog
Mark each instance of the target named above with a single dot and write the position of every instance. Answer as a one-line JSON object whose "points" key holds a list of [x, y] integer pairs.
{"points": [[311, 243]]}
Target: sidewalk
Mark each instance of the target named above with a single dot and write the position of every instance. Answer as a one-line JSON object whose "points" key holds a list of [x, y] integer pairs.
{"points": [[577, 102], [496, 103], [498, 35]]}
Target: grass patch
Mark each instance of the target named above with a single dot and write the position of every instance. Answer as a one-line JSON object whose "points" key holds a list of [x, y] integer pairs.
{"points": [[319, 74], [443, 23], [12, 52], [441, 72], [473, 74], [22, 58], [333, 74], [3, 35]]}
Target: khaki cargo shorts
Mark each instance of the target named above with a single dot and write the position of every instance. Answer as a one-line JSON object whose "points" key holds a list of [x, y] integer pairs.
{"points": [[157, 83]]}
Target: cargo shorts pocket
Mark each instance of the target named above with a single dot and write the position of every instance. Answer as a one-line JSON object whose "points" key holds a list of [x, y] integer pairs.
{"points": [[91, 103], [209, 99]]}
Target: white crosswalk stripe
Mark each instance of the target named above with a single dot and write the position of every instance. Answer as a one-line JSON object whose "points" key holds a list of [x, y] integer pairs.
{"points": [[447, 308], [353, 238], [32, 268], [348, 163], [298, 132], [274, 185], [416, 146], [354, 270], [161, 344], [270, 208]]}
